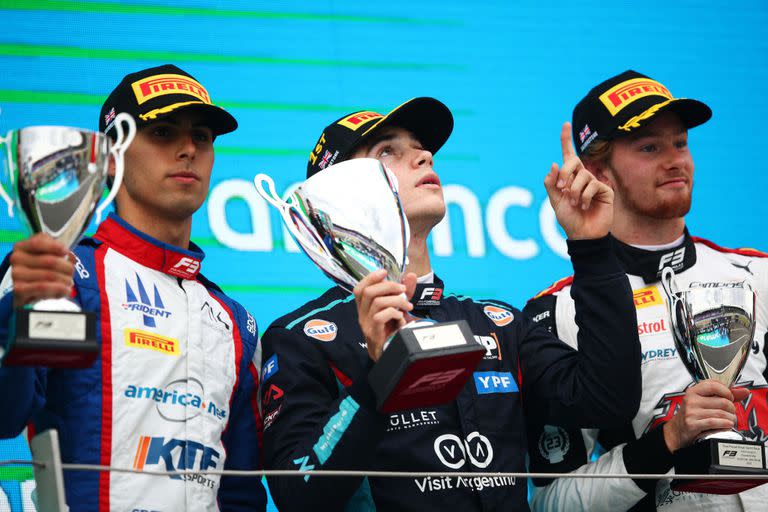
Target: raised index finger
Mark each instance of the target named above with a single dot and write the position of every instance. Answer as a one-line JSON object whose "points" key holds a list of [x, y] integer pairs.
{"points": [[566, 141]]}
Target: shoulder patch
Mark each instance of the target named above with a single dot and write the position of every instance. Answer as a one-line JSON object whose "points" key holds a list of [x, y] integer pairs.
{"points": [[744, 251], [320, 329], [554, 287], [499, 316]]}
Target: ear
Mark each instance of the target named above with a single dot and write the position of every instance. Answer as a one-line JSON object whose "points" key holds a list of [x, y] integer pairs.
{"points": [[600, 170]]}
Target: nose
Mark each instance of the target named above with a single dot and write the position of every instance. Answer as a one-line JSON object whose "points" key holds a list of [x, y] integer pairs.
{"points": [[421, 158], [187, 148], [675, 158]]}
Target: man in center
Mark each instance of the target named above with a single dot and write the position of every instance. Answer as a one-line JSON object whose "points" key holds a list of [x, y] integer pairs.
{"points": [[319, 410]]}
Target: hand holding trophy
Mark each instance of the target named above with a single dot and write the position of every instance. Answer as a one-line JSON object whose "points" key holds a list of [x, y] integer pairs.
{"points": [[349, 221], [713, 328], [56, 177]]}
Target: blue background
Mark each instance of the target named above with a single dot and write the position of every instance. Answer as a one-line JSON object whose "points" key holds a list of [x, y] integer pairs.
{"points": [[510, 72]]}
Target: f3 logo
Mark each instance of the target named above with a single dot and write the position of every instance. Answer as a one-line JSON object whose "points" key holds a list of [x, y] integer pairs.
{"points": [[431, 293], [672, 259]]}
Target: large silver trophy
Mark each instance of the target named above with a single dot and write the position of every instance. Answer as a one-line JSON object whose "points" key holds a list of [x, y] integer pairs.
{"points": [[713, 327], [56, 176], [348, 219]]}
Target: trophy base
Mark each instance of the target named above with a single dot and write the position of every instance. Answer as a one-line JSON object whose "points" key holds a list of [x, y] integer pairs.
{"points": [[54, 339], [718, 456], [424, 366]]}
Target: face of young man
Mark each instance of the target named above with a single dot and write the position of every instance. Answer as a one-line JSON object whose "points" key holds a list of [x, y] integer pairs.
{"points": [[168, 168], [419, 187], [651, 171]]}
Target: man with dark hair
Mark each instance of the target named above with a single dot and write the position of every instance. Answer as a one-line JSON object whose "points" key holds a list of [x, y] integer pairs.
{"points": [[172, 388], [319, 410], [633, 136]]}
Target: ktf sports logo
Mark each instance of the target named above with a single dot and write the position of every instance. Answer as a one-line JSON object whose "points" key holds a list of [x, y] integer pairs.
{"points": [[176, 455]]}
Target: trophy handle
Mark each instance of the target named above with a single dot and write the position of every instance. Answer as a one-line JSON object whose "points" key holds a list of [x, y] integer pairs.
{"points": [[124, 140], [265, 186], [6, 143]]}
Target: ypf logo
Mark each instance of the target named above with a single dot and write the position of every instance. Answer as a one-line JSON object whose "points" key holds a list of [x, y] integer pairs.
{"points": [[453, 451], [321, 329], [499, 316]]}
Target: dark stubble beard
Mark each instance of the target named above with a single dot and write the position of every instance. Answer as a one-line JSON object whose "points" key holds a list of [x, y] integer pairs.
{"points": [[661, 209]]}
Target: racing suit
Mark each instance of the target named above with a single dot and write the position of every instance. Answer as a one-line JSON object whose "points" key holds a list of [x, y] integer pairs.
{"points": [[173, 388], [639, 447], [319, 410]]}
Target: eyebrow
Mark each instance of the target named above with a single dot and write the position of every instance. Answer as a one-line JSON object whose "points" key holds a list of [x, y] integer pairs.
{"points": [[381, 138], [650, 133]]}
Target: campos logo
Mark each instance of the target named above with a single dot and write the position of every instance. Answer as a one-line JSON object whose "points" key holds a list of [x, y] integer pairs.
{"points": [[499, 316], [321, 329], [453, 451]]}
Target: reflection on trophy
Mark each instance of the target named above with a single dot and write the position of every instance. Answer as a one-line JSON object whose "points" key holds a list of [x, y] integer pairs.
{"points": [[56, 176], [348, 219], [713, 325]]}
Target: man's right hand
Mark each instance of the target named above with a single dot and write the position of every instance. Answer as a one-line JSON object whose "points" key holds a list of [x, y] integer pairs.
{"points": [[707, 406], [41, 268], [380, 308]]}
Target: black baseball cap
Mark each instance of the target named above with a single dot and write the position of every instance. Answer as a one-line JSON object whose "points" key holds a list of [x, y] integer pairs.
{"points": [[428, 119], [627, 102], [151, 94]]}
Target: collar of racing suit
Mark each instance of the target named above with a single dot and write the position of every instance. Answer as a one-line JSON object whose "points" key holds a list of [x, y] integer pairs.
{"points": [[649, 264], [152, 253]]}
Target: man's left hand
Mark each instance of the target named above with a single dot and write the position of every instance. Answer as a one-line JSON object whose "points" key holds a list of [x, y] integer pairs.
{"points": [[582, 203]]}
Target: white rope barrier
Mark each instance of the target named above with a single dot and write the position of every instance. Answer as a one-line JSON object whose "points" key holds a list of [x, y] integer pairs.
{"points": [[384, 474]]}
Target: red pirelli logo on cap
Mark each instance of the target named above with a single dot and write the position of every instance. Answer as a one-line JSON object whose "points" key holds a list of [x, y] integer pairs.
{"points": [[158, 85], [623, 94], [358, 119]]}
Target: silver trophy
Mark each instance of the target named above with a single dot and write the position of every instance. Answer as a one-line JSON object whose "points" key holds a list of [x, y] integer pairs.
{"points": [[348, 219], [56, 176], [713, 325]]}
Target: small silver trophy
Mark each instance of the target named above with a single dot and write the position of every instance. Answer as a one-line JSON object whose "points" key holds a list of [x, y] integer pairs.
{"points": [[349, 221], [713, 325], [56, 176]]}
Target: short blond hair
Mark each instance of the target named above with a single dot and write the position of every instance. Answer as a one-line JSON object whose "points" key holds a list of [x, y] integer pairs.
{"points": [[598, 151]]}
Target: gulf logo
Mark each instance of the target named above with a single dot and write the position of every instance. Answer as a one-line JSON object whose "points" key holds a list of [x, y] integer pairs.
{"points": [[320, 329], [499, 316]]}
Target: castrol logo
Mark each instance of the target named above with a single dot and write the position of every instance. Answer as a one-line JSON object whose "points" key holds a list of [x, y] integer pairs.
{"points": [[499, 316], [321, 329]]}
